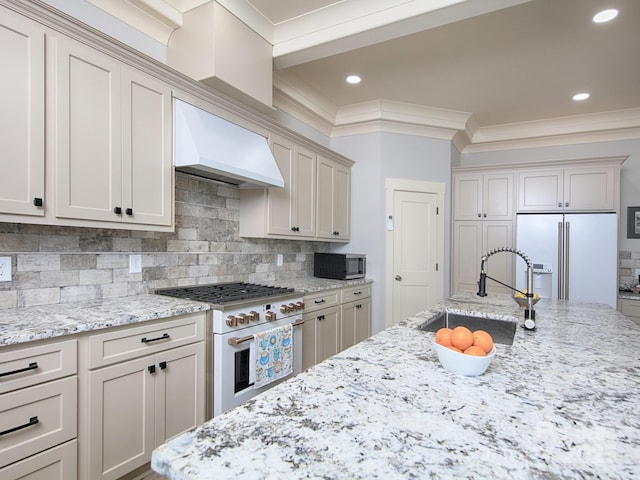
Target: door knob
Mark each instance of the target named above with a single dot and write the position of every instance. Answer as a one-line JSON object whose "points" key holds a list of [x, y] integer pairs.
{"points": [[398, 278]]}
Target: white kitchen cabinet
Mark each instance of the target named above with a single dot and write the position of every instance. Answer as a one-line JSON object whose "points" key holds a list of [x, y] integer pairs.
{"points": [[487, 196], [355, 316], [471, 240], [630, 308], [589, 188], [483, 211], [57, 463], [113, 140], [334, 200], [22, 86], [287, 212], [38, 408], [321, 329], [145, 384]]}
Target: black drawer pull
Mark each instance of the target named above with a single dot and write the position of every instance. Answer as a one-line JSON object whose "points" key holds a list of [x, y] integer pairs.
{"points": [[32, 366], [147, 340], [129, 211], [151, 368], [32, 421], [117, 210], [162, 365], [322, 300], [37, 202]]}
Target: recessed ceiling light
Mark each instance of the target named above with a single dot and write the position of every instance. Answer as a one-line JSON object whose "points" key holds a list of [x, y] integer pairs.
{"points": [[353, 79], [605, 15], [581, 96]]}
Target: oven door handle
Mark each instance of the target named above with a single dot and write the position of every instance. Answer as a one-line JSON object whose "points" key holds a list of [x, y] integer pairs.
{"points": [[233, 341]]}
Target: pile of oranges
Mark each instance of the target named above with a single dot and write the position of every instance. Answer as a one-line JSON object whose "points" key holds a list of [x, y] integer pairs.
{"points": [[463, 340]]}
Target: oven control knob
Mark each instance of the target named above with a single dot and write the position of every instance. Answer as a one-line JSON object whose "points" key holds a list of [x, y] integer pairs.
{"points": [[254, 316], [242, 318], [232, 321], [300, 306], [284, 308], [270, 316], [292, 307]]}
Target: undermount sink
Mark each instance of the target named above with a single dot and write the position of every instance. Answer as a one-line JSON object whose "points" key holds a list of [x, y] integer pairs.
{"points": [[502, 331]]}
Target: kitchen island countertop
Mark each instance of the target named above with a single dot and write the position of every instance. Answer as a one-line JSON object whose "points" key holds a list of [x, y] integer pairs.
{"points": [[561, 402]]}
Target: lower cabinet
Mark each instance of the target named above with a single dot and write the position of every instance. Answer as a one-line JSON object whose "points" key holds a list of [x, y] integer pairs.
{"points": [[630, 308], [38, 411], [135, 404], [333, 321]]}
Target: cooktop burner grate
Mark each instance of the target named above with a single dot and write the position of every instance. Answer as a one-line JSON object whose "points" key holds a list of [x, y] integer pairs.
{"points": [[222, 293]]}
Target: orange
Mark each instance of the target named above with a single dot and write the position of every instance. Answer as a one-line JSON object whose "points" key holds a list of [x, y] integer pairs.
{"points": [[477, 351], [455, 349], [443, 337], [483, 340], [461, 337]]}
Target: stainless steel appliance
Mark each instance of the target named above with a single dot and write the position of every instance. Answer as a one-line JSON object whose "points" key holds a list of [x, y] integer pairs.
{"points": [[576, 255], [240, 310], [339, 266]]}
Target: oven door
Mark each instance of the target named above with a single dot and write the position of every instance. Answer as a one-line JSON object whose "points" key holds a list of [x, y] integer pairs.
{"points": [[231, 365]]}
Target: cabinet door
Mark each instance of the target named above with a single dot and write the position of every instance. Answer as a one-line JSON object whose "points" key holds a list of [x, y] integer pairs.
{"points": [[355, 323], [333, 205], [22, 119], [309, 341], [304, 193], [121, 418], [467, 202], [88, 136], [466, 255], [590, 189], [540, 190], [146, 154], [499, 265], [327, 333], [180, 394], [497, 196], [280, 206]]}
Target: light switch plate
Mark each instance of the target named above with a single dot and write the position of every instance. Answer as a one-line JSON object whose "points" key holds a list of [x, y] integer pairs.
{"points": [[5, 269], [135, 263]]}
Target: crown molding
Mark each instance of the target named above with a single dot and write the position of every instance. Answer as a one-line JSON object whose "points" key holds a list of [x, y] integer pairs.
{"points": [[460, 128]]}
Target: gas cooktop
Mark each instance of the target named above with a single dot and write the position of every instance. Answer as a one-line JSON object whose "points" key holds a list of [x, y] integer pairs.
{"points": [[223, 293]]}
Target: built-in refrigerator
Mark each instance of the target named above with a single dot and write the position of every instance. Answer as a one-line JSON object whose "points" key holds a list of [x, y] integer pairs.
{"points": [[575, 256]]}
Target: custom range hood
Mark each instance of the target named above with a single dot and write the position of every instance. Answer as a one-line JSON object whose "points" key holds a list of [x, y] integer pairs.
{"points": [[211, 147]]}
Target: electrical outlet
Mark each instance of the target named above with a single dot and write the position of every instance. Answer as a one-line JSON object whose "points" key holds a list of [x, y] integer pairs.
{"points": [[279, 260], [135, 263], [5, 269]]}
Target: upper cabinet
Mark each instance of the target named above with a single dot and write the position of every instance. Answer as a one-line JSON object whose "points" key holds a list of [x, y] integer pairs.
{"points": [[313, 204], [486, 196], [588, 188], [334, 200], [113, 140], [22, 120]]}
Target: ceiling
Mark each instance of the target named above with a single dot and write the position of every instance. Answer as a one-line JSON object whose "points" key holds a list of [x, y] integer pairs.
{"points": [[479, 71]]}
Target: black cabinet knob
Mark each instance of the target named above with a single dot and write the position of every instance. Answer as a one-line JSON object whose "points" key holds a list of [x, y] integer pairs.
{"points": [[38, 202], [162, 365], [129, 211], [151, 368], [117, 210]]}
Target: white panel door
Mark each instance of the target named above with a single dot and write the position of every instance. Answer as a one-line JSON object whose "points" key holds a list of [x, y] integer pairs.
{"points": [[415, 262]]}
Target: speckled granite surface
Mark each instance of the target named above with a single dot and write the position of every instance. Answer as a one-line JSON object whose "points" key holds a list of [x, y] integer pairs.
{"points": [[22, 325], [561, 402]]}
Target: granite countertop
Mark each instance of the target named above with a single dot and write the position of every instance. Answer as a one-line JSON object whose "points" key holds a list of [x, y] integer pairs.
{"points": [[561, 402], [20, 325]]}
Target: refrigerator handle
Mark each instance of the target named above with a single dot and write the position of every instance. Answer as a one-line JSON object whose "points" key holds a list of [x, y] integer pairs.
{"points": [[560, 262], [566, 263]]}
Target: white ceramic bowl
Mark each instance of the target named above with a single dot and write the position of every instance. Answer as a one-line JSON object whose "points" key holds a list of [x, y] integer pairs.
{"points": [[462, 364]]}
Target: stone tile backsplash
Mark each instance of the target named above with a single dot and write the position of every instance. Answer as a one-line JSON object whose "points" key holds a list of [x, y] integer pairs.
{"points": [[628, 262], [66, 264]]}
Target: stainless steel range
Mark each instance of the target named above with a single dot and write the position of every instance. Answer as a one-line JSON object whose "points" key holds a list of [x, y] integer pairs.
{"points": [[240, 310]]}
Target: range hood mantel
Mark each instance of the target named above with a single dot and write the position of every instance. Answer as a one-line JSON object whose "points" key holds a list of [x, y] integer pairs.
{"points": [[212, 147]]}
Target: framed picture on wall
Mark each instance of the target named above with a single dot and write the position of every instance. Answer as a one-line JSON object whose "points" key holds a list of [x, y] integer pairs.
{"points": [[633, 222]]}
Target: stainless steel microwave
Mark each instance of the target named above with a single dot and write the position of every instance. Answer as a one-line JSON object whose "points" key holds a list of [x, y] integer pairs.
{"points": [[339, 266]]}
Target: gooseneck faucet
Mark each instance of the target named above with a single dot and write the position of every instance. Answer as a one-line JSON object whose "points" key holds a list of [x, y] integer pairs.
{"points": [[529, 312]]}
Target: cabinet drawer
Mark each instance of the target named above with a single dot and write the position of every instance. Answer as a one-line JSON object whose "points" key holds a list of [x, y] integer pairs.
{"points": [[59, 463], [131, 342], [27, 366], [317, 301], [630, 308], [36, 418], [356, 293]]}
